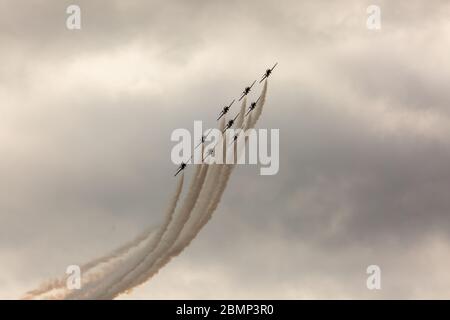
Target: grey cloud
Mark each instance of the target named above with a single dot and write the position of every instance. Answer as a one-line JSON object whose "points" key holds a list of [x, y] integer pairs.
{"points": [[83, 173]]}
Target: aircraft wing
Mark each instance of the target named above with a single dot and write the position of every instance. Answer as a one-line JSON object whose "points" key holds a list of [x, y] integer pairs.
{"points": [[178, 171]]}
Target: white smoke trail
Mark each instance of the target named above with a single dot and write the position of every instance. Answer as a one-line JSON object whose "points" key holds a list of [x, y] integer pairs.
{"points": [[143, 274], [209, 193], [209, 200], [188, 236], [132, 280], [118, 287], [60, 283], [175, 234], [204, 198], [148, 234], [223, 173], [138, 264], [240, 119]]}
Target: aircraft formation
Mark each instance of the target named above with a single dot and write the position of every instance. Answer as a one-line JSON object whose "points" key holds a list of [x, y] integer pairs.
{"points": [[230, 123]]}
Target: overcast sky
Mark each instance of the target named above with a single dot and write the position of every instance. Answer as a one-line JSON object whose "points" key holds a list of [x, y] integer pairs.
{"points": [[364, 119]]}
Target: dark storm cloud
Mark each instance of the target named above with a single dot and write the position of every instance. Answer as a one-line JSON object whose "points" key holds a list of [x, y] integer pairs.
{"points": [[364, 153]]}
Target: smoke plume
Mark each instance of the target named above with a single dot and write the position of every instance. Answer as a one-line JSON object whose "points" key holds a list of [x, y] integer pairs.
{"points": [[140, 259]]}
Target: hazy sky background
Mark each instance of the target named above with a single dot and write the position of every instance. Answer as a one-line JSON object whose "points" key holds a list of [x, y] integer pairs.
{"points": [[364, 119]]}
